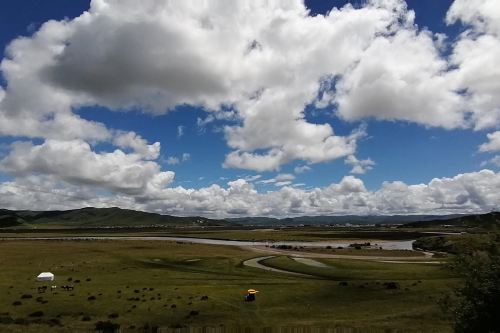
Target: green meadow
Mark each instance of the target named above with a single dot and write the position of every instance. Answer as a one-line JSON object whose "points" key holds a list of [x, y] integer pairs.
{"points": [[138, 284]]}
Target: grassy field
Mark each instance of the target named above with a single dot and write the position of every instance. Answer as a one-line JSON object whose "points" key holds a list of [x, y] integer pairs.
{"points": [[157, 283]]}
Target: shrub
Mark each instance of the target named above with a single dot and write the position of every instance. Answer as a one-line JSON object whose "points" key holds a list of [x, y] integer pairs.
{"points": [[91, 298], [107, 327], [26, 296], [6, 320], [86, 318], [37, 314], [16, 303], [391, 285], [113, 315], [55, 321]]}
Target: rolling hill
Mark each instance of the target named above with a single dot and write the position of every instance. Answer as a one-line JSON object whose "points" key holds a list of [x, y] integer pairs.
{"points": [[91, 217], [488, 220]]}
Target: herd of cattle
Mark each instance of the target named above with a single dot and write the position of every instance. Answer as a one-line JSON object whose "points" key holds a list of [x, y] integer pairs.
{"points": [[43, 289]]}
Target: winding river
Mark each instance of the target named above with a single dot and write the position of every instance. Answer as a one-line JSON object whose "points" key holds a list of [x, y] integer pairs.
{"points": [[384, 244]]}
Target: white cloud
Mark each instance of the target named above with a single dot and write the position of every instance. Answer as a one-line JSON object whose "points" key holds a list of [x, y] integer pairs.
{"points": [[493, 143], [284, 177], [238, 60], [282, 183], [74, 162], [495, 161], [301, 169], [401, 77], [180, 131], [252, 178], [465, 193], [359, 166], [255, 66], [172, 160], [137, 144], [475, 57]]}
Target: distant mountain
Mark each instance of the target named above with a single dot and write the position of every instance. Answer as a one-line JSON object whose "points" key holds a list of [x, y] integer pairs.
{"points": [[331, 220], [98, 217], [489, 220], [10, 218]]}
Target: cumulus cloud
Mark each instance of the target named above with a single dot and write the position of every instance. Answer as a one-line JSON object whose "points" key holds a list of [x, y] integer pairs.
{"points": [[256, 63], [359, 166], [255, 66], [465, 193], [493, 143], [238, 60], [137, 144], [383, 86], [74, 162], [475, 57]]}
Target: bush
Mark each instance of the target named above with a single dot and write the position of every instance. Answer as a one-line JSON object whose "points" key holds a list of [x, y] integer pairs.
{"points": [[37, 314], [91, 298], [113, 315], [26, 296], [17, 303], [86, 318], [107, 327], [476, 305], [55, 321], [391, 285], [6, 320]]}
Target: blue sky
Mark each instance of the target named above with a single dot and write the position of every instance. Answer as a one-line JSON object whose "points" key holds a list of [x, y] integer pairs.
{"points": [[401, 148]]}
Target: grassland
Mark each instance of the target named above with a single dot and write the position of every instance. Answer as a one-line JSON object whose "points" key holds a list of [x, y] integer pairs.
{"points": [[167, 284]]}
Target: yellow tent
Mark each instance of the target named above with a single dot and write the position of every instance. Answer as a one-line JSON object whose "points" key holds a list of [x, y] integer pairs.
{"points": [[252, 291]]}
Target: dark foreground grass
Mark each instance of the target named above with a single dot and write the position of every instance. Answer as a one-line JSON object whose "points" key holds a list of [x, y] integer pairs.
{"points": [[165, 284]]}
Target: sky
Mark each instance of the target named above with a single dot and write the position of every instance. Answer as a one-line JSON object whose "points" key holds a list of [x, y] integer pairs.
{"points": [[251, 108]]}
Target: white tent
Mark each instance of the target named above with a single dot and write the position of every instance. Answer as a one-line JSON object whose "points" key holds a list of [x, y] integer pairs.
{"points": [[45, 276]]}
